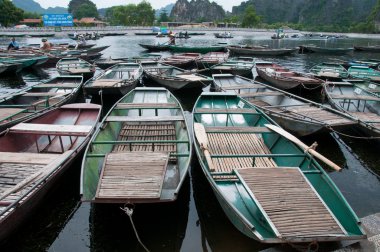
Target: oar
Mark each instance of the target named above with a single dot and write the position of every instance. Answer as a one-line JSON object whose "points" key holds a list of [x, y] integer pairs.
{"points": [[200, 134], [298, 142]]}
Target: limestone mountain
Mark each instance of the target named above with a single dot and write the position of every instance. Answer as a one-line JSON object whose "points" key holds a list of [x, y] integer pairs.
{"points": [[196, 11], [32, 6]]}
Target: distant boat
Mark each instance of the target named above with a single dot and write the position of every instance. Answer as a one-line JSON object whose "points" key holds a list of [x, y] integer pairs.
{"points": [[364, 72], [197, 49], [146, 33], [181, 60], [223, 35], [327, 50], [155, 48], [375, 48], [35, 154], [260, 50], [109, 62], [330, 71], [212, 58], [141, 153]]}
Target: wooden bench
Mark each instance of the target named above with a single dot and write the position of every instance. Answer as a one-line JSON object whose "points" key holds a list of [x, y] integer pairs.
{"points": [[144, 118], [38, 94], [238, 130], [146, 106], [51, 129], [27, 158], [57, 85], [355, 97], [234, 87], [225, 111], [258, 94], [8, 113]]}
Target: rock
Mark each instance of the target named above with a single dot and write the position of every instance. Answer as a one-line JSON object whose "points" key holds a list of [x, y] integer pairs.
{"points": [[196, 11]]}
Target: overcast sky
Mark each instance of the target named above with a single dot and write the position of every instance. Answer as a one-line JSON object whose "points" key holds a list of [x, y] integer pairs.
{"points": [[227, 4]]}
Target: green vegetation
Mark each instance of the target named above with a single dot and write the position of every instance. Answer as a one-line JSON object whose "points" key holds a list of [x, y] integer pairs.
{"points": [[163, 17], [250, 18], [83, 8], [31, 15], [10, 14], [131, 14]]}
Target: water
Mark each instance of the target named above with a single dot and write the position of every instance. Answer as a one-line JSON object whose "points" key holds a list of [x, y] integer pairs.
{"points": [[195, 222]]}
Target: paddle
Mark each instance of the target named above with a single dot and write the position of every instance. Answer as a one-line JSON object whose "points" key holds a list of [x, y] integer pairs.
{"points": [[200, 134], [298, 142]]}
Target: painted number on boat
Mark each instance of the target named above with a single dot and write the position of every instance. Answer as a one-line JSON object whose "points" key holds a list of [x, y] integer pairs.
{"points": [[358, 91], [241, 104], [372, 86]]}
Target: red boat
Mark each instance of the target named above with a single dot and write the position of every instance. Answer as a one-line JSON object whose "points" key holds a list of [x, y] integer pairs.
{"points": [[181, 60]]}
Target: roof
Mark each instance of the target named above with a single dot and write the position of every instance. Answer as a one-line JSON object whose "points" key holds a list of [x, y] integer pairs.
{"points": [[90, 20], [31, 20]]}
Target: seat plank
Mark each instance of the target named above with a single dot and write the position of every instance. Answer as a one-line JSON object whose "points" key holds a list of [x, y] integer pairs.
{"points": [[143, 118], [51, 129], [355, 97], [225, 111], [37, 94], [146, 105], [27, 158], [238, 130], [257, 94]]}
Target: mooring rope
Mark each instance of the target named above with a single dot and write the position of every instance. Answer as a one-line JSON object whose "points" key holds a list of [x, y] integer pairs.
{"points": [[129, 212]]}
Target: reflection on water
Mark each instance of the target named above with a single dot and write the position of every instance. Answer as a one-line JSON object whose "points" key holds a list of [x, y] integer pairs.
{"points": [[195, 222]]}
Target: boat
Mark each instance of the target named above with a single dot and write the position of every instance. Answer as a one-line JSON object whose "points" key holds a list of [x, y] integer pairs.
{"points": [[196, 33], [181, 60], [271, 189], [174, 78], [223, 35], [329, 71], [294, 113], [367, 85], [117, 80], [284, 78], [364, 72], [31, 101], [155, 48], [35, 154], [212, 58], [328, 50], [41, 35], [146, 33], [141, 152], [109, 62], [260, 50], [25, 62], [10, 68], [358, 103], [75, 66], [234, 66], [196, 49], [374, 48], [54, 58]]}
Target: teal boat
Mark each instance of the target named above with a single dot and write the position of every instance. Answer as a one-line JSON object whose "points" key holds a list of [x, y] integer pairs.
{"points": [[368, 86], [26, 62], [364, 72], [330, 71], [271, 189], [140, 153], [196, 49]]}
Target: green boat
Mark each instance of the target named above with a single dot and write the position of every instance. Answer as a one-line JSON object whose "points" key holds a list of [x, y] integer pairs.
{"points": [[196, 49], [368, 86], [271, 189], [364, 72], [330, 71], [26, 62], [140, 153]]}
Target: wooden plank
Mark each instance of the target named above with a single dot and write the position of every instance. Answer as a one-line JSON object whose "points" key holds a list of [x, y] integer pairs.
{"points": [[234, 87], [355, 97], [146, 105], [144, 118], [52, 129], [238, 129], [27, 158], [226, 111], [6, 113], [105, 83], [132, 175], [57, 85], [190, 77], [289, 202], [43, 94], [257, 94]]}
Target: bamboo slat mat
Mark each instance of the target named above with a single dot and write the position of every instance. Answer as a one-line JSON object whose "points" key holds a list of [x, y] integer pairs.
{"points": [[145, 132], [290, 202], [238, 143], [132, 175], [368, 117]]}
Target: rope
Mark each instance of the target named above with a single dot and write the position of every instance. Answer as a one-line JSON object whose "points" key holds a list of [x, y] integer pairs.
{"points": [[311, 147], [311, 88], [311, 247], [129, 211], [351, 136]]}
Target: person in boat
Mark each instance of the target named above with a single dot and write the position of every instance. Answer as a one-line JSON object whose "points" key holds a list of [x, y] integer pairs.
{"points": [[13, 45], [171, 39], [46, 45], [186, 34], [81, 41]]}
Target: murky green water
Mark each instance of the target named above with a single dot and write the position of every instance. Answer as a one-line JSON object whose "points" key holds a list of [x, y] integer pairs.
{"points": [[195, 222]]}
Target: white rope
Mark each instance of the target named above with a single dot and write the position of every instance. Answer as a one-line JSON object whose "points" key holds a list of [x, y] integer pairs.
{"points": [[129, 212]]}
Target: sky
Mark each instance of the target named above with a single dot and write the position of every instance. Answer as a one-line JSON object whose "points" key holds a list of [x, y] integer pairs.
{"points": [[156, 4]]}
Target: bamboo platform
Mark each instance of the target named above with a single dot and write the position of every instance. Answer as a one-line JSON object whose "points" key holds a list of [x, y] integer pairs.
{"points": [[291, 204], [235, 144], [368, 117], [132, 175]]}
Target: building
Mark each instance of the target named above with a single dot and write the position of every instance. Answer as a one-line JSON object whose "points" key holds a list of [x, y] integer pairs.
{"points": [[89, 21], [32, 22]]}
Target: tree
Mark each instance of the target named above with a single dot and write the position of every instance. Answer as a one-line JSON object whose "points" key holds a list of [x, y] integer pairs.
{"points": [[82, 8], [131, 14], [250, 18], [163, 17], [10, 14]]}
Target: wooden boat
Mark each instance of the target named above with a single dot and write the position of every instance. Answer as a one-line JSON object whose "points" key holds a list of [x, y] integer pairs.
{"points": [[40, 35], [329, 50], [144, 142], [196, 33], [233, 66], [10, 68], [174, 78], [212, 58], [284, 78], [329, 71], [358, 103], [374, 48], [197, 49], [364, 72], [260, 50], [368, 86], [146, 33], [271, 189], [54, 58], [109, 62], [75, 66], [37, 99], [35, 154], [155, 48], [25, 62], [223, 35], [294, 113], [181, 60], [117, 80]]}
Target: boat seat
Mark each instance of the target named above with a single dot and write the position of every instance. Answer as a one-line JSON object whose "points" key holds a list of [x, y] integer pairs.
{"points": [[43, 94], [238, 130], [225, 111], [57, 85], [78, 70], [191, 77], [355, 97], [132, 176], [105, 83], [257, 94], [289, 202], [247, 86], [144, 118], [146, 106], [50, 129], [27, 158], [8, 113]]}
